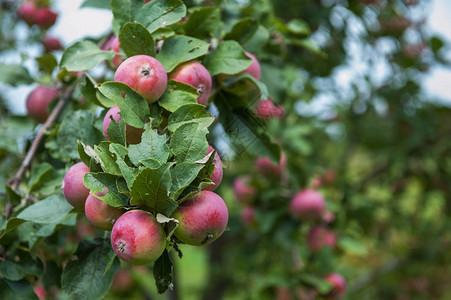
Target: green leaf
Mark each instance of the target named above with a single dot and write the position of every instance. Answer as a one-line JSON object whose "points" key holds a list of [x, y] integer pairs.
{"points": [[124, 11], [243, 30], [258, 40], [108, 158], [183, 174], [96, 4], [83, 55], [75, 126], [244, 131], [88, 90], [151, 187], [298, 27], [162, 272], [38, 172], [97, 182], [152, 146], [177, 95], [134, 109], [310, 45], [162, 33], [128, 172], [20, 290], [18, 269], [117, 131], [203, 22], [352, 246], [10, 225], [14, 131], [85, 277], [135, 39], [160, 13], [237, 84], [188, 114], [228, 58], [188, 142], [50, 210], [47, 63], [180, 48], [15, 74]]}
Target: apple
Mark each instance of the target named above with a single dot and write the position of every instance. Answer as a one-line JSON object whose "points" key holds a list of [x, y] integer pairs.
{"points": [[216, 176], [329, 176], [100, 214], [38, 102], [338, 285], [122, 281], [143, 74], [73, 187], [51, 43], [248, 217], [133, 134], [308, 204], [196, 75], [328, 217], [254, 68], [138, 238], [202, 219], [45, 17], [319, 236], [27, 11], [266, 110], [267, 168], [40, 292], [244, 192]]}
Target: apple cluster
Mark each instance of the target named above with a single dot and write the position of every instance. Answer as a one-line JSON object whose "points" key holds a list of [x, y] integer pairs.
{"points": [[32, 14], [307, 205], [137, 236]]}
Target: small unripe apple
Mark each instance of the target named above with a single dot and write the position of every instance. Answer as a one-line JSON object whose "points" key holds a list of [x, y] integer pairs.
{"points": [[27, 11], [73, 187], [216, 176], [143, 74], [244, 192], [122, 281], [132, 134], [267, 168], [138, 238], [45, 17], [254, 68], [100, 214], [202, 219], [328, 217], [196, 75], [266, 110], [38, 102], [319, 236], [248, 217], [338, 286], [308, 205], [51, 43]]}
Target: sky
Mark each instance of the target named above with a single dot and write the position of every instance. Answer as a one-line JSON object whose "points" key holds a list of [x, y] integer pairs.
{"points": [[75, 23]]}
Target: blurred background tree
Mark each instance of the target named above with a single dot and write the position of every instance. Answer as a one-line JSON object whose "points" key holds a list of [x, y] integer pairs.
{"points": [[356, 125]]}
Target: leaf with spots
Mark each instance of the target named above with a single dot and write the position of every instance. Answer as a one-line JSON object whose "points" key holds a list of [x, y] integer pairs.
{"points": [[189, 143]]}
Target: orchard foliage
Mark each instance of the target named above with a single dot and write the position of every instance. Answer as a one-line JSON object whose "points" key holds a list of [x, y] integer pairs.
{"points": [[347, 203]]}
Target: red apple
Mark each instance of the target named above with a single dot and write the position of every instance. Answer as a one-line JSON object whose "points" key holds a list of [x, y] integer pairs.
{"points": [[133, 134], [143, 74], [244, 192], [122, 281], [320, 236], [216, 176], [27, 11], [338, 285], [254, 68], [40, 292], [267, 168], [73, 187], [38, 101], [45, 17], [266, 110], [138, 238], [202, 219], [51, 43], [100, 214], [196, 75], [328, 217], [248, 217], [308, 205]]}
